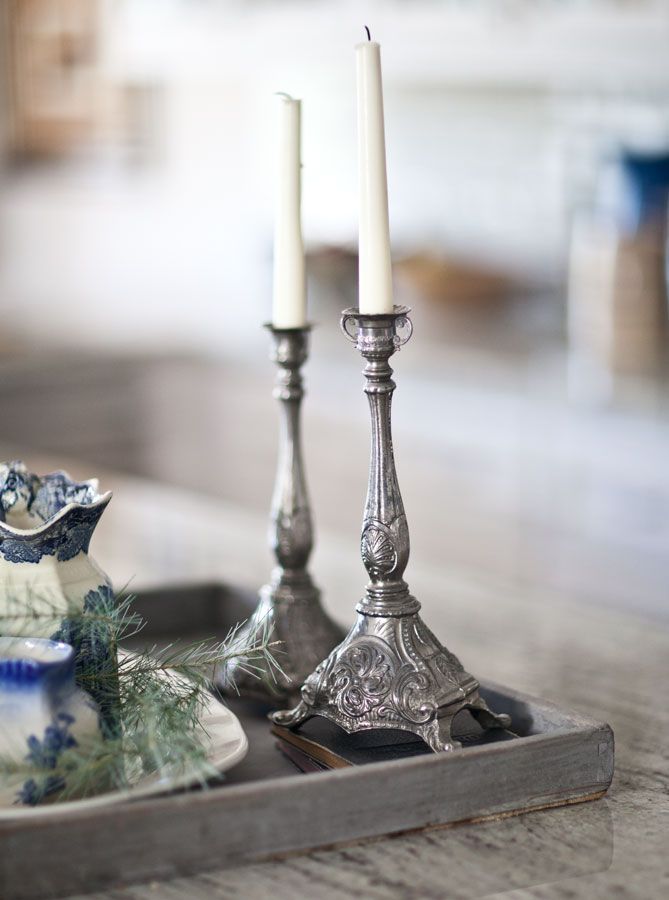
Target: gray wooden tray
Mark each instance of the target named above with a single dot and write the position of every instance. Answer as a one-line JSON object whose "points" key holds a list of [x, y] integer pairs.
{"points": [[266, 808]]}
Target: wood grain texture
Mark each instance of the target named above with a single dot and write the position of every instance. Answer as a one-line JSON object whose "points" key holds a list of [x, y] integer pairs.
{"points": [[186, 833], [560, 757]]}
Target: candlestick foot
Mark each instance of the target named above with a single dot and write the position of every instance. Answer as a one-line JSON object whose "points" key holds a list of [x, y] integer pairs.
{"points": [[392, 672], [291, 619]]}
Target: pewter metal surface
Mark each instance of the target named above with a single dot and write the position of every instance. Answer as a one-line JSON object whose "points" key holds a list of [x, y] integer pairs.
{"points": [[289, 611], [390, 671]]}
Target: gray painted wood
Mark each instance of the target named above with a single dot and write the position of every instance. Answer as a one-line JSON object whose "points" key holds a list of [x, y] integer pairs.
{"points": [[560, 757]]}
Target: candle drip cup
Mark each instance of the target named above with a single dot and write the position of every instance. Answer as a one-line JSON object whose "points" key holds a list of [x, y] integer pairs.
{"points": [[390, 672], [289, 613]]}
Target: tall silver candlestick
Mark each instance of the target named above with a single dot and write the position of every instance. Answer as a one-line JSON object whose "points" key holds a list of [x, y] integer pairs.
{"points": [[390, 671], [289, 610]]}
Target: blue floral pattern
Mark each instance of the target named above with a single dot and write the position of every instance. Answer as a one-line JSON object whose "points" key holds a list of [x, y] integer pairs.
{"points": [[57, 490], [17, 487], [44, 498], [44, 755]]}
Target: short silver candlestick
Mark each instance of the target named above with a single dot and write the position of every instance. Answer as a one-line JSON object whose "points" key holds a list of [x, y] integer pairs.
{"points": [[289, 612], [390, 671]]}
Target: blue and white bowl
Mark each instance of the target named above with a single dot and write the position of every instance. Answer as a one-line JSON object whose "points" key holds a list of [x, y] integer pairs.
{"points": [[42, 712]]}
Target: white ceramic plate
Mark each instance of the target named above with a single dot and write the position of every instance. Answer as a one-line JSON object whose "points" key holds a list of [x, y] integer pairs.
{"points": [[226, 745]]}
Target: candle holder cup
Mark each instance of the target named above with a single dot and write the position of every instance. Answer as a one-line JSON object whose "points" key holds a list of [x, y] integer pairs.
{"points": [[390, 671], [289, 612]]}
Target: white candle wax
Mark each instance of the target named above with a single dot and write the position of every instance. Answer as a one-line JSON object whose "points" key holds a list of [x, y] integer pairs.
{"points": [[374, 272], [289, 309]]}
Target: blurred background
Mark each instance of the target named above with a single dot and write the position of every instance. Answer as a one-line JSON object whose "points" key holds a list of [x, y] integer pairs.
{"points": [[528, 161]]}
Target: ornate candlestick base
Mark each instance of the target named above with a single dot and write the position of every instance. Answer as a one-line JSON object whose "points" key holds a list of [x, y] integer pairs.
{"points": [[289, 610], [390, 671]]}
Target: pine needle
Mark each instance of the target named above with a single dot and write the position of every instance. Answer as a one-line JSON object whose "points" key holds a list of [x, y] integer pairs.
{"points": [[152, 702]]}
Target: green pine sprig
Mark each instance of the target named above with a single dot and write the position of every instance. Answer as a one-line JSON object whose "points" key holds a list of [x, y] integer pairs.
{"points": [[157, 697]]}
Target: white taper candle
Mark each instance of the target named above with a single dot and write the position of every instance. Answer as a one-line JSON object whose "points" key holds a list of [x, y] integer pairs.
{"points": [[289, 308], [375, 278]]}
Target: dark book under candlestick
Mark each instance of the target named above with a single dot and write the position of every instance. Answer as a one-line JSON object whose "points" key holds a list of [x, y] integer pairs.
{"points": [[320, 744]]}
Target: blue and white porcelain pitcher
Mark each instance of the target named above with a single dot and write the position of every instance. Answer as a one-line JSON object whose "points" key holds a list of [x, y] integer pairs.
{"points": [[48, 581]]}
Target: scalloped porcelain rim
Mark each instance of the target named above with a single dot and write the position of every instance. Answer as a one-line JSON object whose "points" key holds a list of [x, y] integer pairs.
{"points": [[102, 500]]}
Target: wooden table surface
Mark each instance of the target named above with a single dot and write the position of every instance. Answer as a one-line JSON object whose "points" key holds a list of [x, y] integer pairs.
{"points": [[540, 542], [602, 662]]}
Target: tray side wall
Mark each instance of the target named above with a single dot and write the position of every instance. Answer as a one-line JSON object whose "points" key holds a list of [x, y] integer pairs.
{"points": [[182, 834]]}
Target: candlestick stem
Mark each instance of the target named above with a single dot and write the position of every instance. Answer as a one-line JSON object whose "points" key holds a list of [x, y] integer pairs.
{"points": [[289, 611], [390, 671]]}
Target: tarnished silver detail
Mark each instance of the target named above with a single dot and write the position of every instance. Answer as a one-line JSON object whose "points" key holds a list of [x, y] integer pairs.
{"points": [[390, 671], [289, 608]]}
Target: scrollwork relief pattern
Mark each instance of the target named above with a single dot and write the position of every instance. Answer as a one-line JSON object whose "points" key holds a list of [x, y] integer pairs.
{"points": [[410, 695], [361, 679], [368, 682]]}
